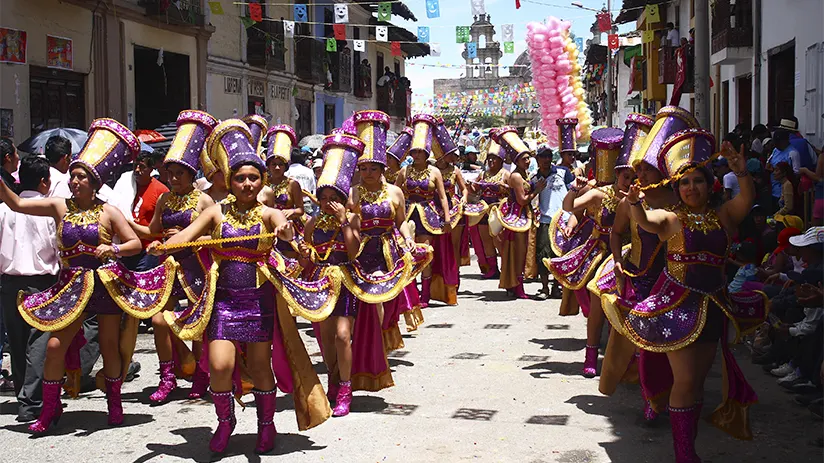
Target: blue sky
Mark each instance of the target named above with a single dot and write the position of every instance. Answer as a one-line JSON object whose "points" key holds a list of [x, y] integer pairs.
{"points": [[459, 12]]}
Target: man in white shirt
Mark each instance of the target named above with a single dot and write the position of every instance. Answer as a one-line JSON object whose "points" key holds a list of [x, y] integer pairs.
{"points": [[673, 38], [303, 175], [29, 261], [58, 152]]}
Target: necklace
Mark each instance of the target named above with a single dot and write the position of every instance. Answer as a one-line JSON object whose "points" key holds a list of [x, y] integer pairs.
{"points": [[704, 222], [418, 175], [178, 203], [244, 220], [78, 216], [371, 197], [611, 200], [327, 222]]}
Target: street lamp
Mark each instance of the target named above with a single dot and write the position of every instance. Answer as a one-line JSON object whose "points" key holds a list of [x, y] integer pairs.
{"points": [[608, 76], [585, 7]]}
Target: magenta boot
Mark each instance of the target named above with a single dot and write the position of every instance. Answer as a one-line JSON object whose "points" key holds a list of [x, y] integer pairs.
{"points": [[683, 422], [590, 362], [52, 407], [225, 410], [649, 413], [113, 400], [200, 382], [519, 290], [265, 404], [425, 292], [168, 382], [331, 390], [344, 399], [493, 272]]}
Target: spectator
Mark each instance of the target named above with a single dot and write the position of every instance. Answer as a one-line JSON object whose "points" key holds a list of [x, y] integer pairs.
{"points": [[550, 201], [386, 77], [29, 261], [147, 191], [759, 133], [789, 202], [747, 259], [58, 152], [779, 261], [159, 173], [818, 178], [763, 194], [784, 152], [11, 161], [317, 168], [807, 156], [672, 39], [471, 161], [303, 175]]}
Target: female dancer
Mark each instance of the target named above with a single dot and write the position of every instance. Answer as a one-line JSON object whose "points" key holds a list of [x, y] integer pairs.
{"points": [[237, 304], [425, 195], [282, 193], [175, 211], [85, 229], [576, 267], [214, 171], [492, 188], [515, 214], [684, 315]]}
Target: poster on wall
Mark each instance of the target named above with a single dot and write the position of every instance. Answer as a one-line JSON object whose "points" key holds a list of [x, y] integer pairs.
{"points": [[6, 123], [12, 46], [59, 52]]}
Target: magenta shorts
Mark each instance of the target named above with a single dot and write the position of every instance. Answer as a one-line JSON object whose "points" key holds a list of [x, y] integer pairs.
{"points": [[818, 209]]}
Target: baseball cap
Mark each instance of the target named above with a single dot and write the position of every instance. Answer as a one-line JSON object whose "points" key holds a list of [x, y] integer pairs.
{"points": [[784, 237], [814, 235], [753, 166], [306, 149], [791, 221]]}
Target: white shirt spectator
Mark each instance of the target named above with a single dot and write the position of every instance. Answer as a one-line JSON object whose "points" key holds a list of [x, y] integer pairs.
{"points": [[306, 179], [59, 184], [795, 160], [731, 183], [673, 38], [27, 243], [757, 146]]}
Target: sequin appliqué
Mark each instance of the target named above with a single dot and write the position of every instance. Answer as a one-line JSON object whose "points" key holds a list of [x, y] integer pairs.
{"points": [[244, 220], [180, 203], [80, 217], [705, 222]]}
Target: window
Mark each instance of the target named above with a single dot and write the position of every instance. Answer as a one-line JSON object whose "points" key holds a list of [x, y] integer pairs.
{"points": [[264, 45]]}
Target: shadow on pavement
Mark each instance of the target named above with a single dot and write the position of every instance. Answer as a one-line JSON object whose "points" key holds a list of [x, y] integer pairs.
{"points": [[368, 404], [561, 344], [83, 423], [550, 368], [142, 397], [498, 295], [393, 362]]}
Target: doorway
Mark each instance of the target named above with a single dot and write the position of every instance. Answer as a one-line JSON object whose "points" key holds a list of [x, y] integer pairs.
{"points": [[725, 107], [328, 118], [745, 101], [304, 122], [781, 82], [161, 91], [56, 99]]}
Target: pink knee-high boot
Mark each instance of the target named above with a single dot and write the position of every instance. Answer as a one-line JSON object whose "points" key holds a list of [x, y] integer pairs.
{"points": [[52, 407], [200, 382], [265, 402], [519, 290], [590, 362], [113, 400], [168, 382], [425, 291], [683, 421], [225, 410], [344, 400]]}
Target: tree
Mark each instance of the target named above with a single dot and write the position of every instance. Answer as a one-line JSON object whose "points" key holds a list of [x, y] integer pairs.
{"points": [[487, 121]]}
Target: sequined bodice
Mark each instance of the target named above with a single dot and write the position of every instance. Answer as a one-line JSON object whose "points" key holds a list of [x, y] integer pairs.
{"points": [[238, 259], [281, 193], [450, 182], [604, 215], [645, 255], [376, 211], [696, 255], [327, 234], [418, 185], [180, 210], [492, 189], [79, 234]]}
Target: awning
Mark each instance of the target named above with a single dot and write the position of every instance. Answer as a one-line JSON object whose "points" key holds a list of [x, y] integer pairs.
{"points": [[398, 8], [631, 9]]}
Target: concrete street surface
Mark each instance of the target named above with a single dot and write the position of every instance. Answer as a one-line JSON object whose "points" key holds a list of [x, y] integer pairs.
{"points": [[489, 380]]}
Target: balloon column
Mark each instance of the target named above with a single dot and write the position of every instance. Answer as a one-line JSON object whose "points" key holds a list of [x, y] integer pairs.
{"points": [[556, 77]]}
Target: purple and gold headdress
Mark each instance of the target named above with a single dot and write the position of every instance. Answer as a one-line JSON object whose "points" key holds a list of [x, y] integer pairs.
{"points": [[193, 129], [257, 127], [370, 127], [340, 158], [690, 147], [443, 144], [422, 126], [607, 144], [110, 145], [510, 142], [567, 140], [635, 132], [232, 140], [280, 139], [668, 121], [401, 145]]}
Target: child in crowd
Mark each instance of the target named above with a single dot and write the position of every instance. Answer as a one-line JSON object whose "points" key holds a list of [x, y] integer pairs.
{"points": [[746, 257]]}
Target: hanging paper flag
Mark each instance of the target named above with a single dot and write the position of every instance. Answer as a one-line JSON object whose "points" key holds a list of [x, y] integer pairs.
{"points": [[300, 13], [517, 4], [216, 7], [288, 28], [360, 45], [509, 47], [648, 36], [434, 49], [579, 42], [471, 50], [612, 40], [331, 45], [247, 22], [396, 48], [382, 33], [384, 11], [340, 31], [509, 33], [341, 13], [462, 34], [256, 12], [478, 7], [604, 21], [433, 9], [423, 34], [653, 14]]}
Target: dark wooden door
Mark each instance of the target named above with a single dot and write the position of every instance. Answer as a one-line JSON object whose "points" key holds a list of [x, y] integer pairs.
{"points": [[304, 125], [745, 101], [781, 73], [56, 99]]}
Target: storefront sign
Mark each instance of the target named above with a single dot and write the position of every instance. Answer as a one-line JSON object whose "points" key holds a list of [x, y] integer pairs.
{"points": [[278, 92], [12, 46], [59, 52], [257, 88], [231, 85]]}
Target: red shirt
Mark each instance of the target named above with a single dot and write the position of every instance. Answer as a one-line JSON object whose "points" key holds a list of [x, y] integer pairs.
{"points": [[145, 201]]}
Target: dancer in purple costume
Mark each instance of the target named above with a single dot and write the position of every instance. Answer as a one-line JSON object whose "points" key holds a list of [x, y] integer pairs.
{"points": [[492, 187], [282, 192], [91, 280], [689, 310]]}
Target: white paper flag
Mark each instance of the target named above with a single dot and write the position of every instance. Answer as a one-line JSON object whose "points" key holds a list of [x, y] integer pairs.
{"points": [[360, 45], [341, 14], [382, 33], [434, 49], [478, 7], [509, 35], [288, 28]]}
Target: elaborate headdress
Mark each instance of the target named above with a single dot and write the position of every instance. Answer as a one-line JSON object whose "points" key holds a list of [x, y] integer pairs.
{"points": [[495, 150], [193, 129], [422, 126], [566, 134], [687, 148], [670, 119], [257, 127], [443, 144], [280, 139], [371, 127], [340, 158], [110, 145], [232, 141], [510, 142], [607, 144], [401, 144], [635, 132]]}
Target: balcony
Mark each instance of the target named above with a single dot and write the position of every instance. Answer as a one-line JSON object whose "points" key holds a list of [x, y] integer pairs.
{"points": [[266, 52], [393, 98], [310, 55], [732, 31], [340, 64], [667, 65], [182, 13], [363, 80]]}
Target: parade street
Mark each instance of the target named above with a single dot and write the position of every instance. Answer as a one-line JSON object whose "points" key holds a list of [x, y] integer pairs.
{"points": [[489, 380]]}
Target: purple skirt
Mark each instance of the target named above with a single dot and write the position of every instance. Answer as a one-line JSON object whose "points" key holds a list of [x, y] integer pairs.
{"points": [[193, 276], [347, 305], [243, 315], [101, 302]]}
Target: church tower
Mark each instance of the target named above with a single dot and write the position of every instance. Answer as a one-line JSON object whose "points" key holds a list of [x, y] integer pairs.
{"points": [[485, 65]]}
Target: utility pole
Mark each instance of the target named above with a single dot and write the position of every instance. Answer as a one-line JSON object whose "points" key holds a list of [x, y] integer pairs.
{"points": [[609, 69], [702, 62]]}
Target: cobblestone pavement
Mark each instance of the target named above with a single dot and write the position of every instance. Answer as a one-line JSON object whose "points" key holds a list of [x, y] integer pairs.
{"points": [[489, 380]]}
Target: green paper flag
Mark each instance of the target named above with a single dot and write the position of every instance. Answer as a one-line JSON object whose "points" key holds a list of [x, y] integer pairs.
{"points": [[462, 34], [247, 22], [384, 11], [509, 47], [331, 45], [216, 7]]}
